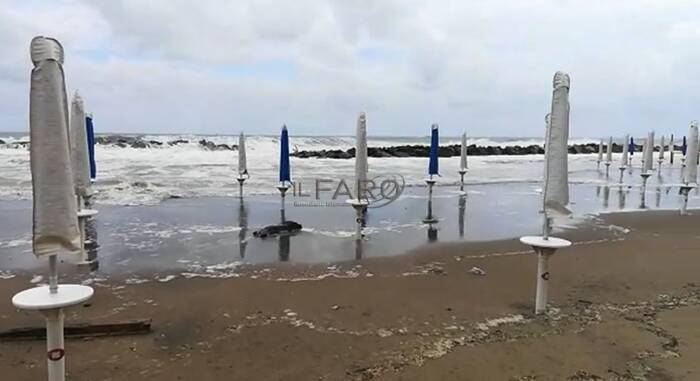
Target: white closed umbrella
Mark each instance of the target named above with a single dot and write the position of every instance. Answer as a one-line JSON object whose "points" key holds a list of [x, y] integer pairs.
{"points": [[625, 152], [463, 167], [556, 173], [690, 172], [649, 156], [361, 157], [360, 202], [556, 185], [671, 148], [662, 148], [79, 149], [625, 157], [608, 156], [242, 164], [55, 206], [242, 160], [600, 153]]}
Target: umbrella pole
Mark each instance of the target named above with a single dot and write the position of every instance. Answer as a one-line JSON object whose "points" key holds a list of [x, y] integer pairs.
{"points": [[240, 186], [53, 274], [462, 172], [283, 190], [630, 165], [685, 190], [83, 253], [56, 360], [430, 218], [542, 279], [607, 169], [645, 176]]}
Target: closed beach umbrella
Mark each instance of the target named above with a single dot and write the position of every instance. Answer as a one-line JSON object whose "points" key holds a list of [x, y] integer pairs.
{"points": [[79, 148], [91, 146], [284, 156], [55, 207], [608, 155], [55, 219], [662, 148], [684, 147], [600, 151], [555, 196], [434, 150], [556, 178], [361, 157], [690, 174], [625, 150], [671, 148], [463, 153], [649, 154], [242, 161]]}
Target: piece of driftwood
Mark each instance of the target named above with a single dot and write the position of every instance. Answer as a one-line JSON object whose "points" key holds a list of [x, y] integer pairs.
{"points": [[133, 327]]}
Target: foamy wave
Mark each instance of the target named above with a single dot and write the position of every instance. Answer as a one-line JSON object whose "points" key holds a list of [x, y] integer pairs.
{"points": [[148, 176]]}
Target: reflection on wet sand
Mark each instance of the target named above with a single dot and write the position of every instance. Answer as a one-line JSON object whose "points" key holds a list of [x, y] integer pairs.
{"points": [[606, 196], [91, 244], [243, 225], [622, 196], [462, 208], [284, 247], [432, 233], [283, 241]]}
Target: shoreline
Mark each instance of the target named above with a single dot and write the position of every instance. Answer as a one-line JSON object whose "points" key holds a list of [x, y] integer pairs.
{"points": [[418, 316]]}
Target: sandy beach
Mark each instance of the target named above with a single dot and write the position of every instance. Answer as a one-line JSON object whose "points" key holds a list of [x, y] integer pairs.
{"points": [[624, 302]]}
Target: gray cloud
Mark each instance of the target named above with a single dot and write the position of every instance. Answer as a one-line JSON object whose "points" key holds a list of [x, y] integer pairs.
{"points": [[221, 67]]}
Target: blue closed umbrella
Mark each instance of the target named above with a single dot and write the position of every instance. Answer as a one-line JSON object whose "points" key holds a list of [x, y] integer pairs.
{"points": [[631, 146], [684, 147], [284, 156], [434, 148], [91, 146]]}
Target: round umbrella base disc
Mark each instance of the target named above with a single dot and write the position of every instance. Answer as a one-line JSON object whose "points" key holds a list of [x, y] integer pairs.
{"points": [[40, 298]]}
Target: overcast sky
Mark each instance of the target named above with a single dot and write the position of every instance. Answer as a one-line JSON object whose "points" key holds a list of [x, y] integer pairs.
{"points": [[486, 67]]}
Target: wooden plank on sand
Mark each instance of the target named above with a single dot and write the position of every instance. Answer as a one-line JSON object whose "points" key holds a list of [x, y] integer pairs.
{"points": [[133, 327]]}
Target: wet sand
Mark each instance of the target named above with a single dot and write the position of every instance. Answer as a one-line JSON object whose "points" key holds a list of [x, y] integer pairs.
{"points": [[624, 306]]}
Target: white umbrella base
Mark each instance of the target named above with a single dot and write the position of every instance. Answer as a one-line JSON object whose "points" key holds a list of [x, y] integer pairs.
{"points": [[544, 247], [51, 306]]}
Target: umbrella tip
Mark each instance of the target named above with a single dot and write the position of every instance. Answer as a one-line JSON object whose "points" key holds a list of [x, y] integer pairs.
{"points": [[434, 126], [693, 123], [561, 79], [284, 127], [45, 48], [77, 99]]}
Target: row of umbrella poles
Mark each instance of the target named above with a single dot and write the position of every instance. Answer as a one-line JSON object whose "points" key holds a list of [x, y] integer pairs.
{"points": [[62, 165], [61, 185], [689, 160], [361, 199]]}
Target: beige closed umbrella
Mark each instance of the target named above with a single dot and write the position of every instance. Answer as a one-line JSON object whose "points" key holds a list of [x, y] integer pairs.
{"points": [[555, 196], [55, 207], [79, 149]]}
